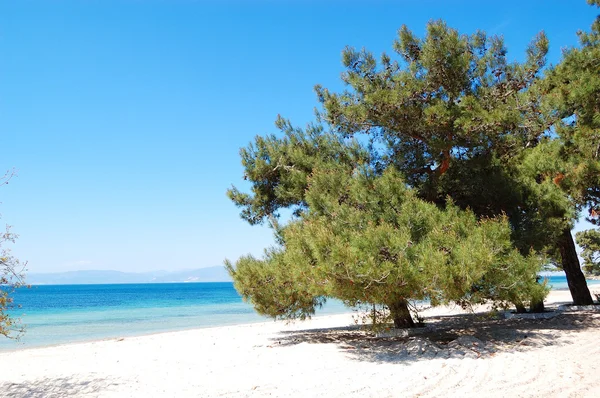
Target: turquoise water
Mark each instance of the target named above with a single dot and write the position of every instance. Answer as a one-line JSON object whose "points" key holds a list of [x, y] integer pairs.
{"points": [[559, 282], [56, 314]]}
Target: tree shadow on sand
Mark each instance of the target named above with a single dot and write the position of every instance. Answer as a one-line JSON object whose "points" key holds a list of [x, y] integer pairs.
{"points": [[453, 336], [55, 387]]}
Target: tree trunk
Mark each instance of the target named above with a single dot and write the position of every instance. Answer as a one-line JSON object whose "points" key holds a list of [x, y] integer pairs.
{"points": [[520, 308], [536, 306], [570, 264], [401, 314]]}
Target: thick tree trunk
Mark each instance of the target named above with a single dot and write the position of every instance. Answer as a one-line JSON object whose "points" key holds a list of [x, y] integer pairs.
{"points": [[536, 306], [401, 314], [570, 264], [520, 308]]}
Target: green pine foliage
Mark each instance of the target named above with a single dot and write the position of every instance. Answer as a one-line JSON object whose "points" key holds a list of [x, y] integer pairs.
{"points": [[590, 243], [456, 118], [574, 95], [475, 169], [278, 168], [368, 239], [459, 120]]}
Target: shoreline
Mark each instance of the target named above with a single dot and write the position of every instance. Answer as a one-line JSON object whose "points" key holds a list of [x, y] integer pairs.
{"points": [[551, 300], [125, 336]]}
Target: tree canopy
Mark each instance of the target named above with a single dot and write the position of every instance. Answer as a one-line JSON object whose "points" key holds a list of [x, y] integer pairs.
{"points": [[368, 239], [574, 95], [590, 243], [278, 168], [459, 120], [493, 151]]}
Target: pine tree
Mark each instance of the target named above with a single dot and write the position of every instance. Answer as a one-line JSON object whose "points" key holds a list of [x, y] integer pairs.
{"points": [[369, 240], [466, 129], [573, 97], [458, 120], [590, 243]]}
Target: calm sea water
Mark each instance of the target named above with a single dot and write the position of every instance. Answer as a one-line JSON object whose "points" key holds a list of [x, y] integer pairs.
{"points": [[560, 283], [56, 314]]}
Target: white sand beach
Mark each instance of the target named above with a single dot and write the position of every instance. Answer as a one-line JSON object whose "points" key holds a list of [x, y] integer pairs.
{"points": [[457, 355]]}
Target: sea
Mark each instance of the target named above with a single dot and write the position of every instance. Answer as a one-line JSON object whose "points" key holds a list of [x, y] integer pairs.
{"points": [[58, 314]]}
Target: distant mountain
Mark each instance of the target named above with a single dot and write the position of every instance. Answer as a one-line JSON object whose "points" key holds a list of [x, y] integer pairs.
{"points": [[209, 274]]}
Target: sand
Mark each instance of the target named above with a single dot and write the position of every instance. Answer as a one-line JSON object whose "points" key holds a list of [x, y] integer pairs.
{"points": [[456, 355]]}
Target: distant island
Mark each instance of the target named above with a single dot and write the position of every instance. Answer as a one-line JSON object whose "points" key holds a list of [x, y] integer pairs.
{"points": [[209, 274]]}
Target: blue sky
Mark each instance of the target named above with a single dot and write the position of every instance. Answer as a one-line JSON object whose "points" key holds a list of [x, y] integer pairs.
{"points": [[124, 118]]}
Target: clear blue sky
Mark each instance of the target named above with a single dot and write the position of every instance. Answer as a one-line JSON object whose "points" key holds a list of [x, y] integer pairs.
{"points": [[124, 118]]}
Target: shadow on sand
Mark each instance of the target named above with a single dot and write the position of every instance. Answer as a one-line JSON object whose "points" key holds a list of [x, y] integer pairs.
{"points": [[55, 387], [453, 336]]}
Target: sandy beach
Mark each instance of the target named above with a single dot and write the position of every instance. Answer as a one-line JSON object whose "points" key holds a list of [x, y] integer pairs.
{"points": [[457, 354]]}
